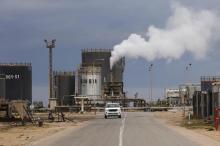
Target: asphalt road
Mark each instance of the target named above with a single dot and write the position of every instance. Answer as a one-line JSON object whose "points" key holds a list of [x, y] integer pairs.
{"points": [[133, 129]]}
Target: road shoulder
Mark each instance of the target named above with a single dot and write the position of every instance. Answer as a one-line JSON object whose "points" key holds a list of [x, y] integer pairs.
{"points": [[171, 120]]}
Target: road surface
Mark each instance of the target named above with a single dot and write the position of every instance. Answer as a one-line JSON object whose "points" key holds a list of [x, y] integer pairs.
{"points": [[133, 129]]}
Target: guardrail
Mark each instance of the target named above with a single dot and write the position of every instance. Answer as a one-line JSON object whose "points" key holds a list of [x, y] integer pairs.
{"points": [[101, 109]]}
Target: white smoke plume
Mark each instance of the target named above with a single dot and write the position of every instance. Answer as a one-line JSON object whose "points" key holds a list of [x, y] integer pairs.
{"points": [[186, 30]]}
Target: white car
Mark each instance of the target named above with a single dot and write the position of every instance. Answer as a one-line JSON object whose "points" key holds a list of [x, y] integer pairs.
{"points": [[112, 109]]}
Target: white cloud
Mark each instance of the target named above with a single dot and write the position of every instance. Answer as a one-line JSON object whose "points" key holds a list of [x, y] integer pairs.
{"points": [[186, 30]]}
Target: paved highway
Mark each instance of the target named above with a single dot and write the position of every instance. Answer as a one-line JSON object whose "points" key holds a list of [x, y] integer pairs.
{"points": [[133, 129]]}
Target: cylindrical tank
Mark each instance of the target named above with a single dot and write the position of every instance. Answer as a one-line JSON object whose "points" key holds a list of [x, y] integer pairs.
{"points": [[101, 57], [68, 100], [118, 70], [2, 86], [64, 87], [18, 78], [98, 56], [90, 81]]}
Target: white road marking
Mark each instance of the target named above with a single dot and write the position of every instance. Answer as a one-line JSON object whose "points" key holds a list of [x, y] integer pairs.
{"points": [[122, 131]]}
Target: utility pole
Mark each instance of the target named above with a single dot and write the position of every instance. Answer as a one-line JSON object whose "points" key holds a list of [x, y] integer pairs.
{"points": [[50, 45], [188, 68]]}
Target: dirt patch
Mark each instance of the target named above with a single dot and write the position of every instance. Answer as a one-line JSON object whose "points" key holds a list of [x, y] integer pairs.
{"points": [[198, 126], [12, 135], [20, 135], [172, 118]]}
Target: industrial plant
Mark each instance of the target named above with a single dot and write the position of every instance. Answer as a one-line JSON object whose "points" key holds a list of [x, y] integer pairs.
{"points": [[108, 82], [94, 80], [109, 73], [91, 85], [94, 84]]}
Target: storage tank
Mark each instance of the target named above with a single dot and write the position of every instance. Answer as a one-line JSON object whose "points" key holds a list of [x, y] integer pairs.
{"points": [[110, 78], [118, 70], [64, 87], [90, 81], [18, 81], [98, 57], [206, 82], [2, 86]]}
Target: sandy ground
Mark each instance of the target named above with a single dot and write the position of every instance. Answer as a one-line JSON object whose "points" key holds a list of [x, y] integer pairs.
{"points": [[26, 135], [201, 133], [23, 135]]}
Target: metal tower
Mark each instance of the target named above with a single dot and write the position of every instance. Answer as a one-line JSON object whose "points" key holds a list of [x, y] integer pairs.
{"points": [[50, 45]]}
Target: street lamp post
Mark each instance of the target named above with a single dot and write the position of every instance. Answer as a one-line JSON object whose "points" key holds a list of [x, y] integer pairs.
{"points": [[188, 68], [50, 45], [150, 68]]}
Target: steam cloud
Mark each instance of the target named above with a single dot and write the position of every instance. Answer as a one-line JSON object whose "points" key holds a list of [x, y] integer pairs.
{"points": [[186, 30]]}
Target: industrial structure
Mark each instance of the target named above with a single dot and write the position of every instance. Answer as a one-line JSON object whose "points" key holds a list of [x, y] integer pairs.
{"points": [[50, 45], [173, 97], [98, 57], [94, 83], [2, 86], [16, 81], [207, 99], [186, 92], [63, 87], [15, 89], [90, 81], [111, 79]]}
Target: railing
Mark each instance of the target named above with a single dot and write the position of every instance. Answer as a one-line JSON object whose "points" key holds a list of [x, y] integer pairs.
{"points": [[210, 78], [61, 73], [96, 50]]}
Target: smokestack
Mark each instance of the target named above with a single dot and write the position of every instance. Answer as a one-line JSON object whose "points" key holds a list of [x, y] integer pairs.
{"points": [[186, 30]]}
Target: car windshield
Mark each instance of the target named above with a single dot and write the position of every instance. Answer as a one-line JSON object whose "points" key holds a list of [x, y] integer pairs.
{"points": [[112, 105]]}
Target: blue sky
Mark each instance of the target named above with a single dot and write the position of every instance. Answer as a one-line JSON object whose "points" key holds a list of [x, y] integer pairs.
{"points": [[78, 24]]}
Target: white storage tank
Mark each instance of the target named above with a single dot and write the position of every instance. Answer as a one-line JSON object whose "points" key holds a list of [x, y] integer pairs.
{"points": [[90, 81]]}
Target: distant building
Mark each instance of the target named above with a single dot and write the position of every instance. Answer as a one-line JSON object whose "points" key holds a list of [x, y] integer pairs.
{"points": [[173, 97], [18, 81], [187, 92]]}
